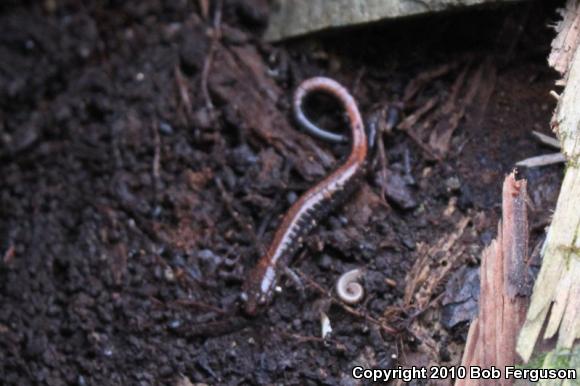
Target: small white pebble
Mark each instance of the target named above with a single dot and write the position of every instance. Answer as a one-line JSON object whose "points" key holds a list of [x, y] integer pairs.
{"points": [[325, 325], [169, 274]]}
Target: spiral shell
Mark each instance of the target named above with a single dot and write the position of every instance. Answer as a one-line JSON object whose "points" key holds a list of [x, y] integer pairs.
{"points": [[347, 287]]}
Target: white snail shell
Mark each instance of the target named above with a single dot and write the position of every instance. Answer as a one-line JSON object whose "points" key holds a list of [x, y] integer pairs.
{"points": [[347, 287]]}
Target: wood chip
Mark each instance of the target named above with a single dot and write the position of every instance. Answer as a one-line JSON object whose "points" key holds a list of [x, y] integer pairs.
{"points": [[546, 139], [542, 160], [492, 336]]}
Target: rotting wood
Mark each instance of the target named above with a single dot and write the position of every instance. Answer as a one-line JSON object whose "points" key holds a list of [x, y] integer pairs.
{"points": [[297, 17], [567, 39], [492, 335], [425, 278], [557, 287], [239, 75], [432, 125]]}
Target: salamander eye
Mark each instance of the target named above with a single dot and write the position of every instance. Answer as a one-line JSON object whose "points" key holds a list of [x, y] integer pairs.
{"points": [[244, 297]]}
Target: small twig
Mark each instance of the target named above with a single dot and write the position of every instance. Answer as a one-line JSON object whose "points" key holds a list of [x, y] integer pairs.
{"points": [[546, 139], [423, 146], [196, 304], [9, 254], [155, 170], [462, 145], [204, 8], [412, 119], [264, 224], [184, 99], [421, 311], [384, 166], [542, 160], [218, 328], [357, 81], [424, 78], [187, 302], [545, 159], [215, 35], [407, 165]]}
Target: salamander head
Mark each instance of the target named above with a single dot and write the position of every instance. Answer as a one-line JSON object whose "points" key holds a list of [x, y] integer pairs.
{"points": [[258, 288]]}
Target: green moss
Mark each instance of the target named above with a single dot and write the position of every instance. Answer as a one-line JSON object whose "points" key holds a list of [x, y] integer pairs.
{"points": [[555, 359]]}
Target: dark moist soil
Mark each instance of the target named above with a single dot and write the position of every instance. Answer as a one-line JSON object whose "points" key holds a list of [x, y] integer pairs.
{"points": [[132, 205]]}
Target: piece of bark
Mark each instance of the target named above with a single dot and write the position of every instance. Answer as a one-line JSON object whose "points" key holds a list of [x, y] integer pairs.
{"points": [[492, 336], [567, 39], [297, 17], [239, 79], [557, 287]]}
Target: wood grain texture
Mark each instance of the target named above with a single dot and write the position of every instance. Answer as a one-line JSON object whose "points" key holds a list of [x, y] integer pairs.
{"points": [[297, 17], [492, 336], [556, 295]]}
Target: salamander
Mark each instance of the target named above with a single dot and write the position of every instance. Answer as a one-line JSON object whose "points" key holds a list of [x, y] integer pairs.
{"points": [[315, 203]]}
